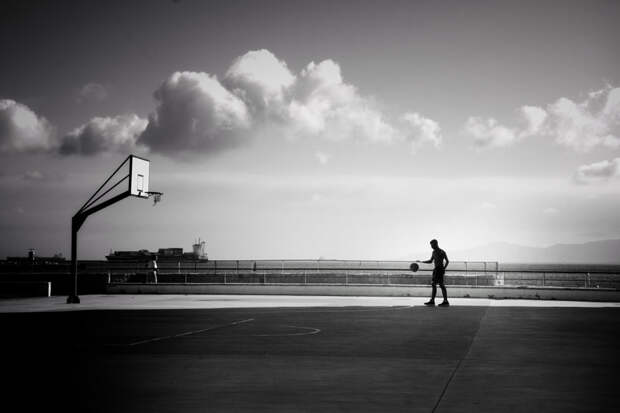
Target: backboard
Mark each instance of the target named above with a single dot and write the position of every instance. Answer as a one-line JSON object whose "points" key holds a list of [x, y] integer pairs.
{"points": [[138, 176]]}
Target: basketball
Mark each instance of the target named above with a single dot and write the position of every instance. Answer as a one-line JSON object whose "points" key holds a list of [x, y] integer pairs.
{"points": [[414, 267]]}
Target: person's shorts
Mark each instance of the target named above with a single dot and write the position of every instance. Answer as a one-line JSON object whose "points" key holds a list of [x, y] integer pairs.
{"points": [[438, 274]]}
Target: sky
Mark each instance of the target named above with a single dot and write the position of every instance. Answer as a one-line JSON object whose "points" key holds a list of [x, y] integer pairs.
{"points": [[292, 129]]}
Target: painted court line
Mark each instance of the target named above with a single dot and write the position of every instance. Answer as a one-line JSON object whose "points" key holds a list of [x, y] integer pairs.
{"points": [[308, 333], [188, 333], [343, 309], [458, 365]]}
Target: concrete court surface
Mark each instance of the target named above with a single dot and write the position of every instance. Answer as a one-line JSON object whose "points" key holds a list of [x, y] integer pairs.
{"points": [[351, 354]]}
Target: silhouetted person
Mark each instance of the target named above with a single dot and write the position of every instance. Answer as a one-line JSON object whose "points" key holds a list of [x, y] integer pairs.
{"points": [[153, 267], [439, 271]]}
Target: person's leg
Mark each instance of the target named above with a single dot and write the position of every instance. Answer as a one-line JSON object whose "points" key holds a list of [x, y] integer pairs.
{"points": [[445, 302], [434, 293]]}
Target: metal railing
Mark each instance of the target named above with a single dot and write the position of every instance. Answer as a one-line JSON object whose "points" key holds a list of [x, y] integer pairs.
{"points": [[334, 272]]}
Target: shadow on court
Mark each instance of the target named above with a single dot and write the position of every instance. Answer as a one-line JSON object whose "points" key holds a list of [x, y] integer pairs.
{"points": [[481, 359]]}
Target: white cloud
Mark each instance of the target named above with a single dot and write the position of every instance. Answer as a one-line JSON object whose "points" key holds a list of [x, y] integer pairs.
{"points": [[33, 176], [316, 197], [259, 93], [104, 134], [550, 211], [195, 113], [582, 126], [422, 130], [534, 118], [323, 105], [92, 91], [22, 130], [322, 157], [573, 125], [489, 206], [489, 133], [598, 171], [260, 79]]}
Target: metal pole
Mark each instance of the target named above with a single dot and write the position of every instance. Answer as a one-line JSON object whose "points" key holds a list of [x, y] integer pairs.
{"points": [[73, 298]]}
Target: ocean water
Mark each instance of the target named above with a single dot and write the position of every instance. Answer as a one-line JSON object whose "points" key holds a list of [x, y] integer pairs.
{"points": [[561, 267]]}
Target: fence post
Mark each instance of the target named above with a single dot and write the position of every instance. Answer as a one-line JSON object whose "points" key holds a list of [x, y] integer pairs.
{"points": [[586, 279], [224, 277], [543, 280]]}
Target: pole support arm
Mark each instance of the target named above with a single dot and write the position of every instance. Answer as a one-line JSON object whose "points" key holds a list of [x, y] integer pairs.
{"points": [[76, 223]]}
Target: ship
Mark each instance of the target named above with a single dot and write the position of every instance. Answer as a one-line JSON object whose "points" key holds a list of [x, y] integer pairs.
{"points": [[173, 254]]}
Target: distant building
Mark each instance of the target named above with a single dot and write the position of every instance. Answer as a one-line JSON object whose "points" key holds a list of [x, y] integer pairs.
{"points": [[32, 258]]}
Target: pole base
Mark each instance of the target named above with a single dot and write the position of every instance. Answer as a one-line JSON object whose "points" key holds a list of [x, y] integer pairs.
{"points": [[73, 299]]}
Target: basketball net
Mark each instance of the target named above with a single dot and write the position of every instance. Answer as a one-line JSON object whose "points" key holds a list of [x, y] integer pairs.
{"points": [[156, 197]]}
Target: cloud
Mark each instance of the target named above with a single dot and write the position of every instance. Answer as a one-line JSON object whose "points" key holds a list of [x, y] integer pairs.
{"points": [[489, 133], [489, 206], [92, 92], [322, 105], [534, 118], [598, 171], [575, 125], [422, 130], [104, 134], [260, 79], [581, 126], [196, 113], [22, 130], [322, 157], [33, 176], [259, 95]]}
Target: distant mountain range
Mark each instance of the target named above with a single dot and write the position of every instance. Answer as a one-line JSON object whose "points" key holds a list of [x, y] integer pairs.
{"points": [[596, 252]]}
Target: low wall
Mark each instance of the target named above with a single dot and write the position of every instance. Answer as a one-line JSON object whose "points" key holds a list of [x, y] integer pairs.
{"points": [[25, 289], [548, 293]]}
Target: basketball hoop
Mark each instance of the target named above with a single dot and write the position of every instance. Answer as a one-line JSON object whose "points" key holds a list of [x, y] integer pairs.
{"points": [[137, 181], [156, 197]]}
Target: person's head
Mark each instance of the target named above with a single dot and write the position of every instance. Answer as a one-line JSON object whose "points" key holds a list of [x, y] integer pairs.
{"points": [[434, 244]]}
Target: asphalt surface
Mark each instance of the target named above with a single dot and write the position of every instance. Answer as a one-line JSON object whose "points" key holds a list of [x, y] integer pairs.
{"points": [[479, 358]]}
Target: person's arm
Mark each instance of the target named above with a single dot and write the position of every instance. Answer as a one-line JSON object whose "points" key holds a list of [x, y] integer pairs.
{"points": [[447, 260], [427, 261]]}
